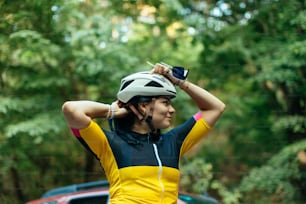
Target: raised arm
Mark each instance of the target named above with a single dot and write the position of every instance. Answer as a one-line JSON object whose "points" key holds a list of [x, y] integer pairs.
{"points": [[210, 106], [78, 114]]}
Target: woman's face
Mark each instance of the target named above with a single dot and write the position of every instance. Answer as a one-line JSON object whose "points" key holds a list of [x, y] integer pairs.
{"points": [[162, 113]]}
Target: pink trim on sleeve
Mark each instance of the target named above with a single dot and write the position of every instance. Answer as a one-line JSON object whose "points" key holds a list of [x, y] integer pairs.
{"points": [[76, 132], [197, 116]]}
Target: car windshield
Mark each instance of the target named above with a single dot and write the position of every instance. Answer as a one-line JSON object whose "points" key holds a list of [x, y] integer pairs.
{"points": [[197, 199], [99, 199]]}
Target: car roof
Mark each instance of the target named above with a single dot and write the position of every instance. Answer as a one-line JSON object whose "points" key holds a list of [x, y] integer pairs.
{"points": [[76, 188], [64, 198], [65, 193]]}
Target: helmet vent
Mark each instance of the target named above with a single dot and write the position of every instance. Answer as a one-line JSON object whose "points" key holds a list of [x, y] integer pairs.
{"points": [[153, 84], [126, 84]]}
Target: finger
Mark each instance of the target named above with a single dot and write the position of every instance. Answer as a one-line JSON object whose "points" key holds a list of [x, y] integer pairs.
{"points": [[122, 112], [155, 69], [161, 69], [120, 104]]}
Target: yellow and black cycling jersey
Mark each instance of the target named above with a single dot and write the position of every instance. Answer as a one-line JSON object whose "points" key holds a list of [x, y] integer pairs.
{"points": [[140, 170]]}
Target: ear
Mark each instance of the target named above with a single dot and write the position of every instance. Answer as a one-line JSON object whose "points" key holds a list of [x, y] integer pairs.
{"points": [[142, 107]]}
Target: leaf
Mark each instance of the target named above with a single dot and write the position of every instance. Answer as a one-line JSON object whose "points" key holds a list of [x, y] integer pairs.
{"points": [[40, 125]]}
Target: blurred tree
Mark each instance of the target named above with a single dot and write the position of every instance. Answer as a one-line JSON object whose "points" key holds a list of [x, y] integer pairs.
{"points": [[259, 46], [255, 52], [28, 79], [252, 56], [51, 51], [281, 180]]}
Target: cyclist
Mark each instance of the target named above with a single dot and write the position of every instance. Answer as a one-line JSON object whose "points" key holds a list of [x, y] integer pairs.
{"points": [[140, 161]]}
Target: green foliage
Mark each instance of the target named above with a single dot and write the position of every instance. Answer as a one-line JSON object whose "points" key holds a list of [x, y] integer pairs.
{"points": [[41, 67], [279, 180], [197, 177], [228, 196], [250, 53], [37, 126], [297, 124], [259, 51], [257, 57]]}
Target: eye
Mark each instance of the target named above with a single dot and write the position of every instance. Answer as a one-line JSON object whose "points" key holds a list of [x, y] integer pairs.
{"points": [[166, 102]]}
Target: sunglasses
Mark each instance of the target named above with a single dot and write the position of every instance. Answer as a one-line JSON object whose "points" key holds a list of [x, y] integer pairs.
{"points": [[177, 71]]}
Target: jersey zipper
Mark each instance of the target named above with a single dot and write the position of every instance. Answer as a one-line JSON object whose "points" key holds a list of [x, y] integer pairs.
{"points": [[160, 171]]}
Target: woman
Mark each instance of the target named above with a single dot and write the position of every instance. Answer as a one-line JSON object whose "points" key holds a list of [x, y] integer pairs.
{"points": [[140, 162]]}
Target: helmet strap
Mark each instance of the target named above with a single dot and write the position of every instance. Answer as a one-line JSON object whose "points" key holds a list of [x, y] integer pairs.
{"points": [[142, 116], [149, 118], [135, 110]]}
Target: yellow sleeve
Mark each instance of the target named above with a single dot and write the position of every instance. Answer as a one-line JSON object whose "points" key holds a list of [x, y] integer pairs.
{"points": [[198, 132], [94, 139]]}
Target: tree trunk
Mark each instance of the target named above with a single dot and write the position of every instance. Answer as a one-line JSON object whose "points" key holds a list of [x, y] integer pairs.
{"points": [[16, 182], [89, 166]]}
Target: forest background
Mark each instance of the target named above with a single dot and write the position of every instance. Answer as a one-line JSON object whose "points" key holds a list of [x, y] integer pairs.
{"points": [[250, 53]]}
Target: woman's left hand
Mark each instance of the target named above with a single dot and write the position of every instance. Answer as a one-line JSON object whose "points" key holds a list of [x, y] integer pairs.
{"points": [[165, 71]]}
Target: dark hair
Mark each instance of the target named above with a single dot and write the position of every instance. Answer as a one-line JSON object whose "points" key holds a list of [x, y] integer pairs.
{"points": [[126, 123]]}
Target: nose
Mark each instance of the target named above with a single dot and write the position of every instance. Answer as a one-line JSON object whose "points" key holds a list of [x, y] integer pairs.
{"points": [[171, 109]]}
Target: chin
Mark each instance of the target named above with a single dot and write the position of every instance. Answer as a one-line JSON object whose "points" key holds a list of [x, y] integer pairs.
{"points": [[164, 126]]}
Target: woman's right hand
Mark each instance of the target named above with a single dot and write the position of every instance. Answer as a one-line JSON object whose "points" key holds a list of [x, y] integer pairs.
{"points": [[119, 110]]}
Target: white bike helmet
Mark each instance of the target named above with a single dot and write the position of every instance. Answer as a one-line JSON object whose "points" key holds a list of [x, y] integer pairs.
{"points": [[145, 84]]}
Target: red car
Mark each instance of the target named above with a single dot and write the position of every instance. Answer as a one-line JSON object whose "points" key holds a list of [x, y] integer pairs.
{"points": [[97, 193]]}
